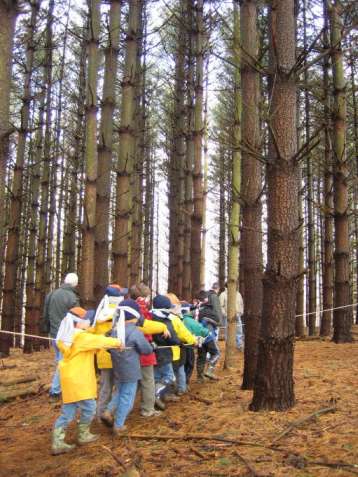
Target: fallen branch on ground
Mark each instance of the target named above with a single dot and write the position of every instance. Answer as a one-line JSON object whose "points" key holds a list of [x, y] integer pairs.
{"points": [[353, 468], [22, 380], [200, 399], [192, 437], [10, 395], [198, 453], [297, 423], [129, 471], [247, 464]]}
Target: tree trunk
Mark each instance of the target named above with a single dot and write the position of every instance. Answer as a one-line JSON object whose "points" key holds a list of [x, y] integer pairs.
{"points": [[187, 275], [76, 161], [121, 239], [197, 216], [341, 317], [234, 222], [328, 264], [222, 219], [251, 236], [32, 316], [8, 13], [12, 250], [312, 305], [105, 149], [91, 158], [274, 389]]}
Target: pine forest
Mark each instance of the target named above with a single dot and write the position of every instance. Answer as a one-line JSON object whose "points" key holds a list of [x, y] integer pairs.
{"points": [[186, 146]]}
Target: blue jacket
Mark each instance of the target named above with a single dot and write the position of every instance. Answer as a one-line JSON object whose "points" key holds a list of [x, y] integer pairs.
{"points": [[126, 364]]}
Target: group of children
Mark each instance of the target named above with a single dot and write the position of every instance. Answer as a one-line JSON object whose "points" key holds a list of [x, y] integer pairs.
{"points": [[135, 344]]}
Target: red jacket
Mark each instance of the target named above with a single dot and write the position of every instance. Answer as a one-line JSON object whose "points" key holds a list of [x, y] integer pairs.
{"points": [[146, 359]]}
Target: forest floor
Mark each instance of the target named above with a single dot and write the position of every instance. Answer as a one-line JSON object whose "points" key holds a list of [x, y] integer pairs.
{"points": [[326, 375]]}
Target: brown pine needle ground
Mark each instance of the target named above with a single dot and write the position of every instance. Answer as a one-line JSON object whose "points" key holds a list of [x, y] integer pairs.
{"points": [[232, 440]]}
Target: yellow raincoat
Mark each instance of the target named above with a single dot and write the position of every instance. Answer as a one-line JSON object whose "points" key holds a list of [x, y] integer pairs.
{"points": [[149, 327], [183, 334], [77, 372]]}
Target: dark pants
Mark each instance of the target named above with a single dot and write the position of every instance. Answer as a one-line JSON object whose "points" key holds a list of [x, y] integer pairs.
{"points": [[189, 363], [213, 350]]}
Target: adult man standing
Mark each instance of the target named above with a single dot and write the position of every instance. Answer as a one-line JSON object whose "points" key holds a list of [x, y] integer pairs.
{"points": [[214, 302], [57, 304]]}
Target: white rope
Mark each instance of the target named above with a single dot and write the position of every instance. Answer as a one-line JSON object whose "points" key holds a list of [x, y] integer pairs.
{"points": [[327, 309], [14, 333]]}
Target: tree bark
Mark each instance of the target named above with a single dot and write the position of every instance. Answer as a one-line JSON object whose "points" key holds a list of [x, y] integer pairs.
{"points": [[12, 250], [105, 149], [274, 388], [8, 14], [197, 216], [312, 305], [121, 239], [251, 235], [328, 265], [341, 317], [91, 158], [234, 223]]}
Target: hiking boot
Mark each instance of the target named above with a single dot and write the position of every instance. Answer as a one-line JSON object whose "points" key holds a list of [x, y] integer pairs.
{"points": [[59, 445], [107, 418], [201, 379], [170, 398], [181, 393], [210, 374], [119, 431], [159, 404], [84, 435], [152, 413]]}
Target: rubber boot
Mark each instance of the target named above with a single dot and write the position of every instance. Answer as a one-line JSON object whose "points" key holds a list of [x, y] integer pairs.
{"points": [[84, 434], [210, 373], [59, 445], [200, 372]]}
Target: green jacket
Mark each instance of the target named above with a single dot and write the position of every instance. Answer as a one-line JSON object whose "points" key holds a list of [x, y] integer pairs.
{"points": [[57, 304], [195, 327]]}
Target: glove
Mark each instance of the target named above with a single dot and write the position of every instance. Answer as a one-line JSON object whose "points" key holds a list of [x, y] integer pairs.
{"points": [[154, 345]]}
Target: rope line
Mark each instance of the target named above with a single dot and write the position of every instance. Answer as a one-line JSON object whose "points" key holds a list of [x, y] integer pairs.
{"points": [[16, 333]]}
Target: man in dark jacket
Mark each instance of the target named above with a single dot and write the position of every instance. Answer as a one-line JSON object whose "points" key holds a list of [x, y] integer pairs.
{"points": [[214, 301], [57, 304]]}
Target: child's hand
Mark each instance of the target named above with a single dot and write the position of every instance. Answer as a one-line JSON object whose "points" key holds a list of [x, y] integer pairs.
{"points": [[120, 346], [167, 334]]}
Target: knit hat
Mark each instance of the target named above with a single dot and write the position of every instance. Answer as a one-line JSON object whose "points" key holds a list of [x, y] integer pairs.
{"points": [[115, 290], [162, 302], [71, 279], [131, 309]]}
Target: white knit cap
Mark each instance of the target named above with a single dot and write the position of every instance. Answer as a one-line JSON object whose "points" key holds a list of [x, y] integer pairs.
{"points": [[71, 279]]}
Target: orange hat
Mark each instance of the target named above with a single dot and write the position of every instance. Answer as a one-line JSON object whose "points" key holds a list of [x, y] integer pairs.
{"points": [[78, 311], [173, 298]]}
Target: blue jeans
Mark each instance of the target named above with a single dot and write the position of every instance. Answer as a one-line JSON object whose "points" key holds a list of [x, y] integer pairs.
{"points": [[164, 374], [239, 333], [181, 378], [124, 398], [87, 408], [56, 384]]}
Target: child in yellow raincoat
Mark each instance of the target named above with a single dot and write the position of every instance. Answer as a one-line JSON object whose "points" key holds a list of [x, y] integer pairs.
{"points": [[78, 345]]}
